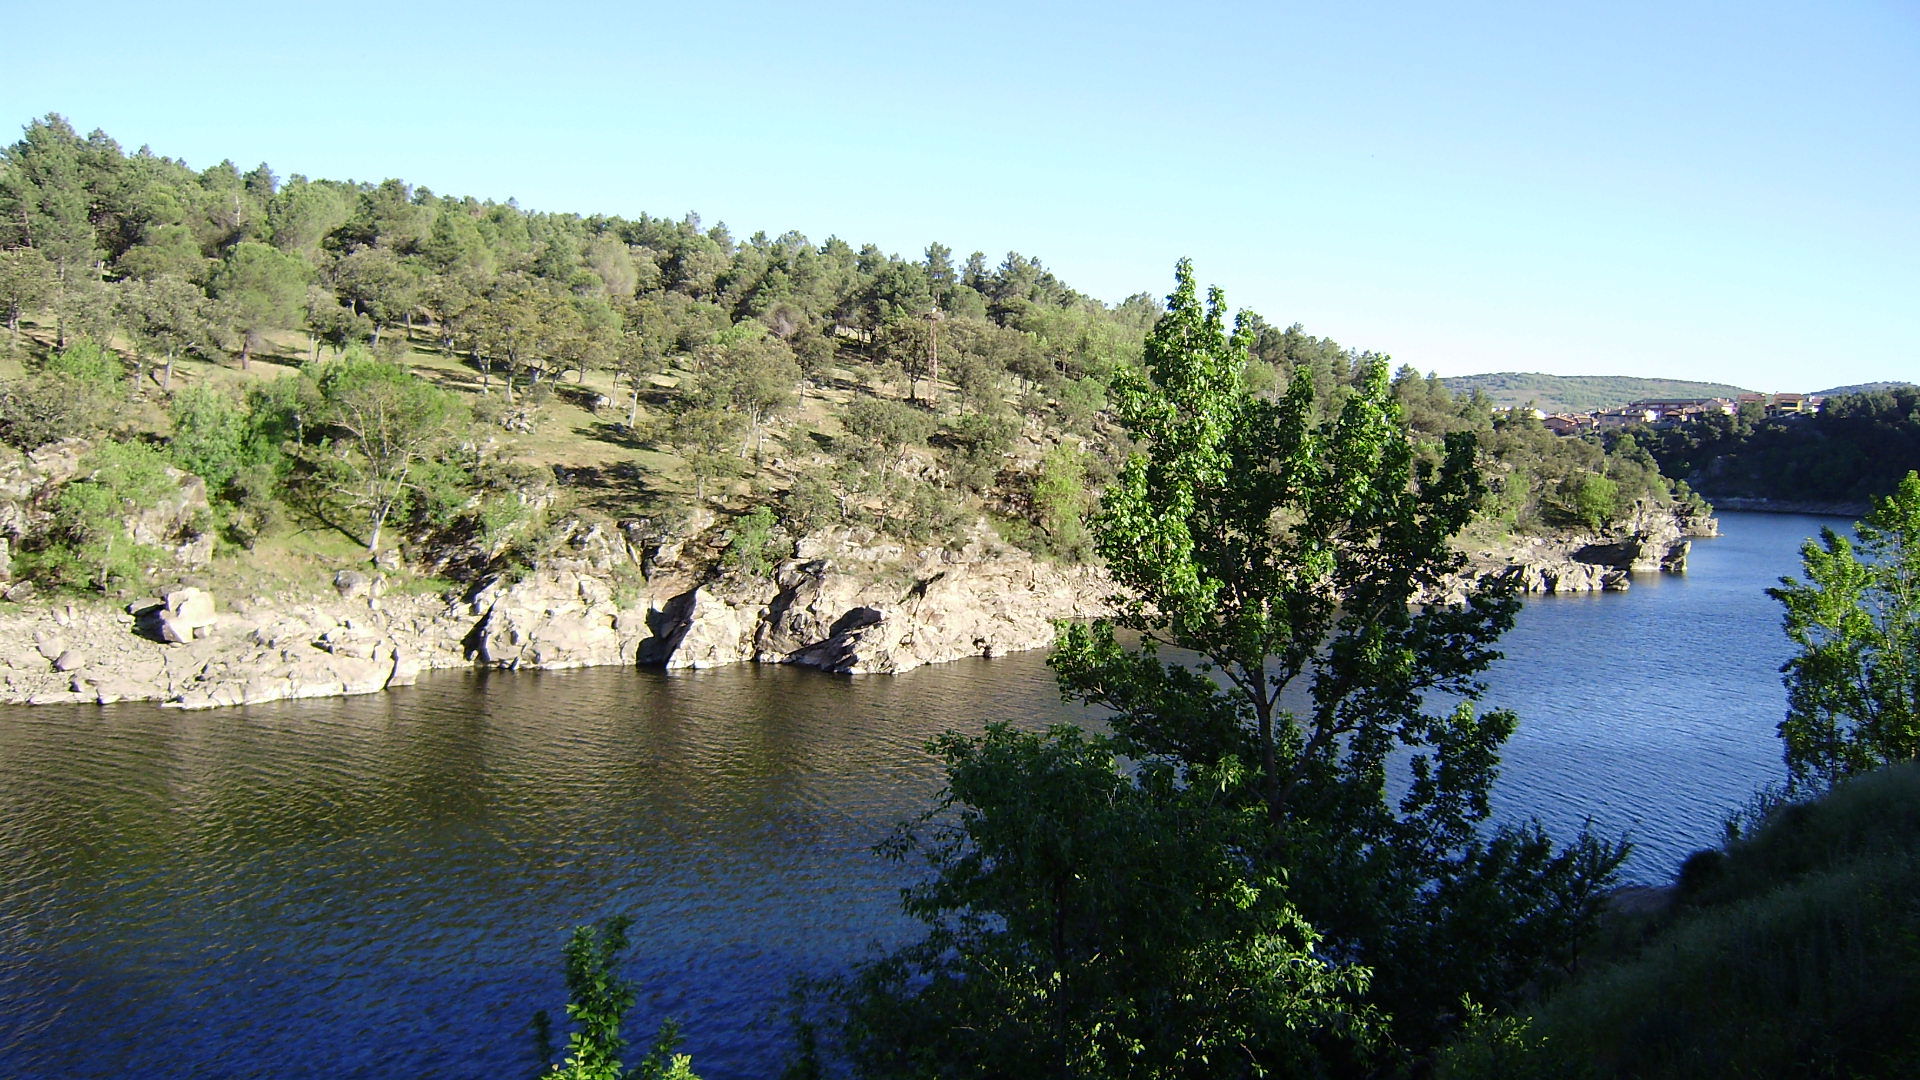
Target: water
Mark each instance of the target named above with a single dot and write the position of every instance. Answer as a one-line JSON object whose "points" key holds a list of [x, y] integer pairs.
{"points": [[380, 886]]}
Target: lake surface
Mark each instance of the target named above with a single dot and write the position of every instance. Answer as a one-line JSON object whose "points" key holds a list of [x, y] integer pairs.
{"points": [[380, 886]]}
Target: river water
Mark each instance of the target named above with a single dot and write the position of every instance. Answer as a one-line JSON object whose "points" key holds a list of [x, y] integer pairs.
{"points": [[380, 886]]}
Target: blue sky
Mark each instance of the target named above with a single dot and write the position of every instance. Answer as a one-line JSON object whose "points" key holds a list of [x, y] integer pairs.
{"points": [[1723, 191]]}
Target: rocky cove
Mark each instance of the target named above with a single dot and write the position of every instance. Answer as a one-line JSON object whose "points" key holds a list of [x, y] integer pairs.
{"points": [[631, 592]]}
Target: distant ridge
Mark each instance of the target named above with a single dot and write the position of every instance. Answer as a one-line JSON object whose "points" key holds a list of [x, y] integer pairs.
{"points": [[1860, 388], [1581, 393]]}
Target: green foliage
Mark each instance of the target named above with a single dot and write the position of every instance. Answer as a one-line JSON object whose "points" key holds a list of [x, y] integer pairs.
{"points": [[88, 545], [1856, 448], [1590, 501], [388, 442], [704, 435], [976, 445], [597, 1002], [920, 512], [1853, 690], [214, 436], [1285, 550], [881, 429], [261, 290], [1060, 504], [77, 391], [1090, 922], [87, 364], [808, 505], [753, 549]]}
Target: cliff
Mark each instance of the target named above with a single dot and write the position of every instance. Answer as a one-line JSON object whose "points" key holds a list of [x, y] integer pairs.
{"points": [[1653, 538]]}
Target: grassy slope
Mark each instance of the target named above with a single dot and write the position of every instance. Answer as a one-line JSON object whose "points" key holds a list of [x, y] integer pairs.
{"points": [[1581, 393], [1795, 952], [606, 470]]}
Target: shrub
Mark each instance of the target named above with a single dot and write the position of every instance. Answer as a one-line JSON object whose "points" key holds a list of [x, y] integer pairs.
{"points": [[754, 549], [88, 546]]}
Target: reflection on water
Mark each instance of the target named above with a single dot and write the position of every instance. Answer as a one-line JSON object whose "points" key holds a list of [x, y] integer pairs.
{"points": [[380, 885]]}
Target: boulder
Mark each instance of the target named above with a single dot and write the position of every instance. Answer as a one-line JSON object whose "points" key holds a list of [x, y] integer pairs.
{"points": [[185, 613]]}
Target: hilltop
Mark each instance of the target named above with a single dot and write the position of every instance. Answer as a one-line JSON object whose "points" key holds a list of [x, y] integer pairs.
{"points": [[1580, 393], [1861, 388]]}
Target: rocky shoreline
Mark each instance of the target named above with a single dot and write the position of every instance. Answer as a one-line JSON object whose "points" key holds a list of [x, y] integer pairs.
{"points": [[848, 601]]}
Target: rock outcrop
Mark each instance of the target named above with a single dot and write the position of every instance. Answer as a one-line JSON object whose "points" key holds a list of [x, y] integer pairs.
{"points": [[177, 524], [1651, 539], [634, 593], [867, 611], [820, 613]]}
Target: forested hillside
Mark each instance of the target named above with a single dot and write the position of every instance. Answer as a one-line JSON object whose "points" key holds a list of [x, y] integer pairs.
{"points": [[449, 374], [1580, 393]]}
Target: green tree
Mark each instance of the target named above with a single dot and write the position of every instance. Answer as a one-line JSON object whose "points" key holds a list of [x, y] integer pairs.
{"points": [[165, 250], [1853, 691], [1089, 922], [389, 440], [1588, 500], [26, 280], [1293, 554], [752, 373], [45, 204], [704, 435], [880, 430], [166, 315], [1060, 502], [78, 391], [597, 1001], [261, 290], [375, 283]]}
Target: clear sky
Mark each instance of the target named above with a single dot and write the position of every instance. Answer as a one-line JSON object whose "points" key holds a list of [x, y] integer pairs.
{"points": [[1725, 191]]}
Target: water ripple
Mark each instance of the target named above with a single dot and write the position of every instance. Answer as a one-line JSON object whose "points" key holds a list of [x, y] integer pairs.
{"points": [[380, 885]]}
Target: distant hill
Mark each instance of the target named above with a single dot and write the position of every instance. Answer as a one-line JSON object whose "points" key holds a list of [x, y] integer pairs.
{"points": [[1860, 388], [1581, 393]]}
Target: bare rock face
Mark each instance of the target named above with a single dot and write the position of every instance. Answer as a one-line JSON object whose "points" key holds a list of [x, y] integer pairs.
{"points": [[1652, 539], [177, 524], [554, 618], [859, 620]]}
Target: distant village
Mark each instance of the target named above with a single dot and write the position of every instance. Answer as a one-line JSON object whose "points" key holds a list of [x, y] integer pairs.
{"points": [[1671, 412]]}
